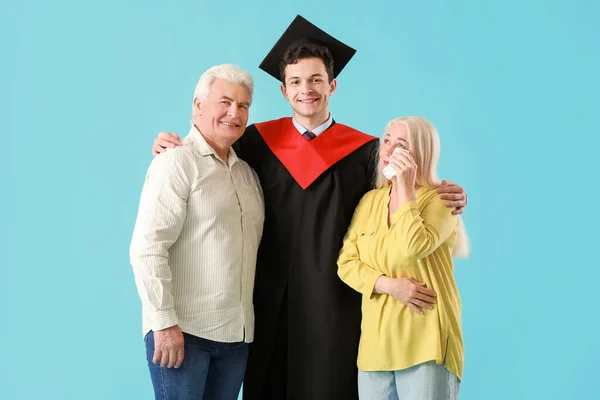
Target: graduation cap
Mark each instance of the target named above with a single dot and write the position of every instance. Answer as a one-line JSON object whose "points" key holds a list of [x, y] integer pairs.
{"points": [[301, 31]]}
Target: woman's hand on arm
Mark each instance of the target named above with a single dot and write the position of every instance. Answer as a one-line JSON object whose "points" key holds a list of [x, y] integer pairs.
{"points": [[414, 294]]}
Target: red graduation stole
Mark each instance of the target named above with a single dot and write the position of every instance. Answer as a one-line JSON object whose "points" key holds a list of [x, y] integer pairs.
{"points": [[305, 160]]}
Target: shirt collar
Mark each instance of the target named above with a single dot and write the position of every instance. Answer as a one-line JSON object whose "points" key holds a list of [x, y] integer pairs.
{"points": [[200, 143], [318, 130]]}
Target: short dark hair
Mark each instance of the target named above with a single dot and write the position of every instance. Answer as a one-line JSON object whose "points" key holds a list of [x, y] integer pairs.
{"points": [[298, 52]]}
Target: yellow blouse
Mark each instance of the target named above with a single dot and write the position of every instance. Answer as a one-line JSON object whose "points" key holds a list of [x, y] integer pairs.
{"points": [[418, 244]]}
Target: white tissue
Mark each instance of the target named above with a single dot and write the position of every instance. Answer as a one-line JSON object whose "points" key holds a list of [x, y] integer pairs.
{"points": [[388, 170]]}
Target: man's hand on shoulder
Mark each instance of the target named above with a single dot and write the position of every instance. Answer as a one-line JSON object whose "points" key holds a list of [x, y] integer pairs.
{"points": [[455, 194], [164, 141]]}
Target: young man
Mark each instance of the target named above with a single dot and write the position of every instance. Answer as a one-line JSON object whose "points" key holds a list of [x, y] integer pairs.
{"points": [[195, 245], [313, 172]]}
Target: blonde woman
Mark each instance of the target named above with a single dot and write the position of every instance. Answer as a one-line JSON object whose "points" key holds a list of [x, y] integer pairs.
{"points": [[398, 253]]}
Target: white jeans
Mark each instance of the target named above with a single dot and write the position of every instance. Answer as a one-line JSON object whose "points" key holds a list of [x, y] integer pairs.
{"points": [[427, 381]]}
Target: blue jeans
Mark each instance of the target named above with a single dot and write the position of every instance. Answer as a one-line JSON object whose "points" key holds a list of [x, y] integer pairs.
{"points": [[426, 381], [210, 370]]}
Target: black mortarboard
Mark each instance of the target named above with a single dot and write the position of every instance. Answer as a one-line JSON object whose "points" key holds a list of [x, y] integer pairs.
{"points": [[302, 31]]}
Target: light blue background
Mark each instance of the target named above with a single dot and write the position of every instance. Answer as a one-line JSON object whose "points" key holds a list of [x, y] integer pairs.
{"points": [[511, 86]]}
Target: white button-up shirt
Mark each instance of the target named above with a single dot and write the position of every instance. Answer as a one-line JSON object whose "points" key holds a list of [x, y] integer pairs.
{"points": [[318, 130], [195, 241]]}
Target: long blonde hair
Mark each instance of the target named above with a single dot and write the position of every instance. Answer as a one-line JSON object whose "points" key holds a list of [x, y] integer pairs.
{"points": [[424, 145]]}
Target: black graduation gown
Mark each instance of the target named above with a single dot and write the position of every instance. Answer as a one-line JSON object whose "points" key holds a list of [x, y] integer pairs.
{"points": [[307, 319]]}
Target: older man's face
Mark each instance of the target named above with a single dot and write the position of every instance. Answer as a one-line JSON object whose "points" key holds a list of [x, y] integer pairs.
{"points": [[225, 110]]}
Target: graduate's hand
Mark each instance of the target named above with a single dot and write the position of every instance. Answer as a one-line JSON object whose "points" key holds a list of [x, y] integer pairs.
{"points": [[408, 291], [455, 194], [164, 141], [168, 347]]}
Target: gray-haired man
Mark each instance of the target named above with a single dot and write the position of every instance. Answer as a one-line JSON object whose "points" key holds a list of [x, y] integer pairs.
{"points": [[194, 248]]}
